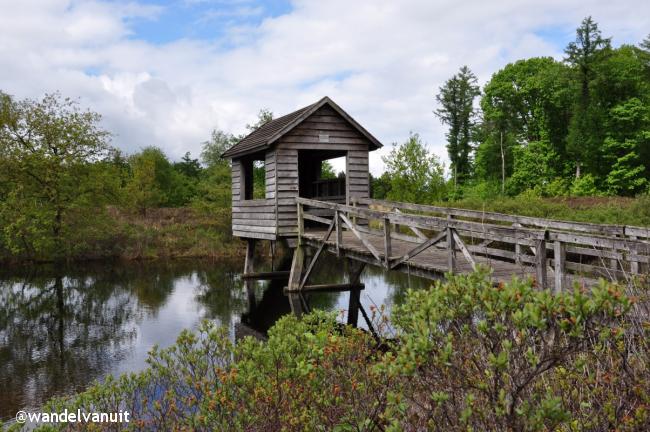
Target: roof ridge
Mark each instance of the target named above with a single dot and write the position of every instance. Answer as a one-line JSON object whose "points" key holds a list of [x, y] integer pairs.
{"points": [[265, 135]]}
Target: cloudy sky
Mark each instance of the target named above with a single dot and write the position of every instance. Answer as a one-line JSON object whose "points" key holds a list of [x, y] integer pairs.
{"points": [[166, 73]]}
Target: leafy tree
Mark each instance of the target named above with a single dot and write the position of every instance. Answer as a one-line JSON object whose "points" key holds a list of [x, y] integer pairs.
{"points": [[214, 188], [646, 43], [415, 174], [150, 179], [189, 167], [264, 116], [380, 186], [534, 168], [218, 143], [524, 102], [327, 170], [456, 99], [588, 48], [585, 186], [52, 173], [629, 133]]}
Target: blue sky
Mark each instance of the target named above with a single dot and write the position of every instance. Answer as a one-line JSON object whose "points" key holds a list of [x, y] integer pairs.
{"points": [[203, 19], [168, 73]]}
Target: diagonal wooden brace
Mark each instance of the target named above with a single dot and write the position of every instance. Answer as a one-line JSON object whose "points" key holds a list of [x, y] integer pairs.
{"points": [[317, 254], [419, 248], [365, 242]]}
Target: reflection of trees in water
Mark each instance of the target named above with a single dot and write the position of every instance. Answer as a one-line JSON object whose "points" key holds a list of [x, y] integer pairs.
{"points": [[60, 328], [221, 291], [57, 333], [397, 283]]}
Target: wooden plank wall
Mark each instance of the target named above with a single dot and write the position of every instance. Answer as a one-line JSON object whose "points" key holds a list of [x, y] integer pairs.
{"points": [[287, 190], [236, 175], [341, 137], [357, 181], [254, 218]]}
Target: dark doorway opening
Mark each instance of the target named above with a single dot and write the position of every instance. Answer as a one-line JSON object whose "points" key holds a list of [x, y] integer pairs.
{"points": [[316, 177]]}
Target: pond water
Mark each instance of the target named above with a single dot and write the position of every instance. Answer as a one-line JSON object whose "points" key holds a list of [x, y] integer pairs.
{"points": [[62, 328]]}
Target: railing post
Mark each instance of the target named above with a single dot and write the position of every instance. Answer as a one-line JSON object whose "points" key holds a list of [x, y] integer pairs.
{"points": [[559, 258], [387, 244], [517, 245], [339, 232], [301, 222], [613, 262], [634, 265], [540, 256], [396, 228], [451, 247]]}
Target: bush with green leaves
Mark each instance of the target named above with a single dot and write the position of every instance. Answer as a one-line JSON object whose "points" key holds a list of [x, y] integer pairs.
{"points": [[467, 355], [513, 357]]}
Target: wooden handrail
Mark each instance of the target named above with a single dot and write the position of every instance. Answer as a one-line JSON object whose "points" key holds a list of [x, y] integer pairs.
{"points": [[602, 229], [504, 233], [457, 233]]}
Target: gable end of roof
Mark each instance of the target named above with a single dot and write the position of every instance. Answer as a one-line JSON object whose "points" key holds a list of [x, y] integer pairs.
{"points": [[266, 135]]}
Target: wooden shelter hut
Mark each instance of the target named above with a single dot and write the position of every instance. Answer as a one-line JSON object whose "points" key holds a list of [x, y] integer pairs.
{"points": [[291, 149]]}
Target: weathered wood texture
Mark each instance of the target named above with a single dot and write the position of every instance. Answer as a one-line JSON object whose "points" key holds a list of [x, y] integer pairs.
{"points": [[254, 218], [309, 137], [554, 257]]}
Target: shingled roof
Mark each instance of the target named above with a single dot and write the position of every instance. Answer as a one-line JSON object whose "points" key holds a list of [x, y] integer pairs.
{"points": [[263, 137]]}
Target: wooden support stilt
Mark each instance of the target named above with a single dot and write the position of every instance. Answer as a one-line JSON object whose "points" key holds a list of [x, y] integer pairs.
{"points": [[294, 280], [355, 273], [249, 266], [353, 307], [250, 256]]}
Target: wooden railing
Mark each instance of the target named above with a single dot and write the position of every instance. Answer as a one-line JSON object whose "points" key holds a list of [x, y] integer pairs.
{"points": [[611, 251]]}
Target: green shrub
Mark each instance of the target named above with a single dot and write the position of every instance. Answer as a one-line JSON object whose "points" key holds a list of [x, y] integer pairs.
{"points": [[468, 356], [512, 358], [585, 186]]}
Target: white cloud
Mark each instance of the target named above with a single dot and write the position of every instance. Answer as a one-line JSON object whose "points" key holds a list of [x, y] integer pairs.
{"points": [[382, 61]]}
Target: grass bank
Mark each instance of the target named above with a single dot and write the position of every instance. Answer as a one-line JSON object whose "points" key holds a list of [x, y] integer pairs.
{"points": [[604, 210], [175, 233], [114, 233]]}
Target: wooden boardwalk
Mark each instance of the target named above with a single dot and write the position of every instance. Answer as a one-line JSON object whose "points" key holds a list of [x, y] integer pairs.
{"points": [[430, 241], [431, 263]]}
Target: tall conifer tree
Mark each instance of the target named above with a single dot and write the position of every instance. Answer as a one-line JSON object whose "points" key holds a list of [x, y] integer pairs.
{"points": [[456, 99]]}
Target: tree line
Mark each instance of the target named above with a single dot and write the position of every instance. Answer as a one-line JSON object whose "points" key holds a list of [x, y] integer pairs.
{"points": [[577, 126], [59, 174]]}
